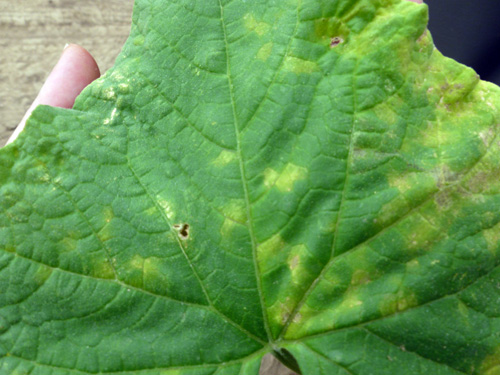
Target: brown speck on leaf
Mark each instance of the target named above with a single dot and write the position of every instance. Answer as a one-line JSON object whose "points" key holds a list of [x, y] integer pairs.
{"points": [[182, 230], [335, 41]]}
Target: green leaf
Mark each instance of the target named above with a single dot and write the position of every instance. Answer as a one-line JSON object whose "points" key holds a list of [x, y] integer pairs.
{"points": [[310, 178]]}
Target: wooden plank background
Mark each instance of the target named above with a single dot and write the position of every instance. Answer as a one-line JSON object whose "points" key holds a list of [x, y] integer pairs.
{"points": [[33, 34]]}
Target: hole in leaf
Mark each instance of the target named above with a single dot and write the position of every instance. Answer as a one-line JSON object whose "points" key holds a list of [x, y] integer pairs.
{"points": [[335, 41], [280, 362], [182, 230]]}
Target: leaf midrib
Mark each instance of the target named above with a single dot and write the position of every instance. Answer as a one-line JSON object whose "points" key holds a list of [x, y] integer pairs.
{"points": [[243, 177]]}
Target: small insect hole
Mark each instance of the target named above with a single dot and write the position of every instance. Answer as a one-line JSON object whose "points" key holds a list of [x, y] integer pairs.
{"points": [[182, 230], [335, 41]]}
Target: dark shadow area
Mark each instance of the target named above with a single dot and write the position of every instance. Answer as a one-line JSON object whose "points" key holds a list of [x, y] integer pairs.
{"points": [[469, 32]]}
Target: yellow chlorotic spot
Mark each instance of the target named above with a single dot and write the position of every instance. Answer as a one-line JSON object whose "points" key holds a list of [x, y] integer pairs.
{"points": [[150, 269], [289, 176], [299, 66], [166, 206], [491, 364], [265, 51], [492, 237], [297, 263], [311, 321], [69, 244], [350, 302], [100, 267], [400, 301], [105, 233], [170, 372], [108, 214], [419, 233], [297, 318], [360, 277], [124, 88], [401, 182], [392, 210], [285, 312], [236, 209], [386, 112], [139, 40], [270, 177], [412, 265], [227, 227], [110, 93], [137, 262], [252, 24], [42, 274], [224, 158], [270, 248], [294, 262]]}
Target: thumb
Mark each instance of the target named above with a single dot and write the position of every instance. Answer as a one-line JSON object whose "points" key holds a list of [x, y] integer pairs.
{"points": [[74, 71]]}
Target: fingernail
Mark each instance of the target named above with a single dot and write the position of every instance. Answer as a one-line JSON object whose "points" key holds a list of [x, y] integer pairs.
{"points": [[66, 46]]}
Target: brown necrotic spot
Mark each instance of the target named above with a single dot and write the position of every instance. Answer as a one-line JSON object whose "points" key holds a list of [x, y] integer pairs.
{"points": [[182, 230], [335, 41]]}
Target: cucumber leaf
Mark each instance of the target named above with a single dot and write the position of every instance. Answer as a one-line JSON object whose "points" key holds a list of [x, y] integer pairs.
{"points": [[308, 178]]}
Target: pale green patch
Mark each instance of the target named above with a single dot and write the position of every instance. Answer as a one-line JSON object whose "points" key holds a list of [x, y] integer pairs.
{"points": [[166, 206], [300, 66], [270, 248], [236, 210], [42, 274], [492, 237], [224, 158], [296, 263], [101, 268], [270, 177], [139, 40], [265, 51], [491, 364], [227, 227], [137, 262], [398, 302], [289, 176], [258, 27], [385, 111], [69, 243], [151, 271]]}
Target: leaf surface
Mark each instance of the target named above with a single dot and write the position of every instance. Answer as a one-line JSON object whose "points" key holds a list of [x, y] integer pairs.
{"points": [[305, 177]]}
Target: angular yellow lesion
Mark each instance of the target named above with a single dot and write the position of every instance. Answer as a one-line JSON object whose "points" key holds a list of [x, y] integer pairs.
{"points": [[151, 270], [69, 243], [258, 27], [297, 263], [42, 274], [227, 228], [108, 214], [385, 111], [236, 210], [137, 262], [360, 277], [102, 268], [491, 364], [265, 51], [289, 176], [492, 237], [166, 206], [400, 301], [300, 66], [224, 158], [270, 248], [270, 177]]}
